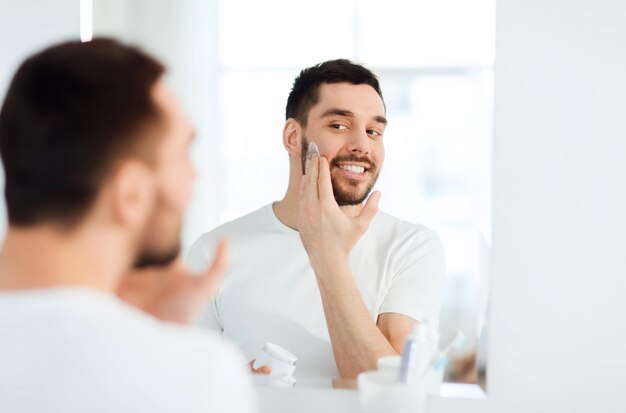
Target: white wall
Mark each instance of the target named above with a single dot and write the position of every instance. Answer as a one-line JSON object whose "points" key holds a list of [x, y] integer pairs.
{"points": [[26, 27], [558, 314]]}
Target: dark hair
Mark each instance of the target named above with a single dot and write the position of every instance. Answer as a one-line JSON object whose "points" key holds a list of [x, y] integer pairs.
{"points": [[305, 90], [71, 111]]}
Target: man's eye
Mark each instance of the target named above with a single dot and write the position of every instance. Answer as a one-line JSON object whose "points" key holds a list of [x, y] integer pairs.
{"points": [[338, 126], [373, 132]]}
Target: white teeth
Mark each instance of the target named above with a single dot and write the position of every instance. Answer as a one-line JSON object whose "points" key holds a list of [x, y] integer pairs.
{"points": [[353, 168]]}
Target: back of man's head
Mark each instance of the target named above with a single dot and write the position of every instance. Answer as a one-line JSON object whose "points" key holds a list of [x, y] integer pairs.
{"points": [[71, 112], [305, 90]]}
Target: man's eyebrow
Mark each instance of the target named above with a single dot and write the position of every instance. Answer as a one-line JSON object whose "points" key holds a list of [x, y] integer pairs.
{"points": [[349, 114], [337, 112], [381, 119]]}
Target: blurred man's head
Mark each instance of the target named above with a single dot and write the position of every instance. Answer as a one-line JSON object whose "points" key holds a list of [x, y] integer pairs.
{"points": [[91, 127], [339, 105]]}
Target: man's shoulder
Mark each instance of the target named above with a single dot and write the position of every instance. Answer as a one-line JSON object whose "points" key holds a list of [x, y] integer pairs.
{"points": [[100, 322], [390, 225], [254, 221], [134, 324], [403, 238], [143, 325], [134, 351], [204, 349]]}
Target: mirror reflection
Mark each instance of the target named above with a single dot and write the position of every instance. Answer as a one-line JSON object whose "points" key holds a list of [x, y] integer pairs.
{"points": [[235, 73]]}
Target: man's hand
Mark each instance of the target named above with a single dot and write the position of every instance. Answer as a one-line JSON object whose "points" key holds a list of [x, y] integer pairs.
{"points": [[265, 370], [173, 293], [327, 233]]}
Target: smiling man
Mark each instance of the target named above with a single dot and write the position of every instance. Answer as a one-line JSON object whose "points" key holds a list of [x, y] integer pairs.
{"points": [[322, 272]]}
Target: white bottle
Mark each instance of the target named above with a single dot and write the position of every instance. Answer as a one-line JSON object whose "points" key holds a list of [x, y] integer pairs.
{"points": [[419, 349], [282, 363]]}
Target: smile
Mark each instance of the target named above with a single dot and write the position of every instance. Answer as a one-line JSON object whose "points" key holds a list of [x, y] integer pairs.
{"points": [[353, 168]]}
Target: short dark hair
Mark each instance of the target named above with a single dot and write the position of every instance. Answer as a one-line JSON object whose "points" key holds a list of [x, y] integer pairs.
{"points": [[305, 90], [70, 112]]}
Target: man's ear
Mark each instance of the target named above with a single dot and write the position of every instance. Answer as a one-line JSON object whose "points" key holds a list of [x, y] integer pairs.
{"points": [[292, 138], [132, 193]]}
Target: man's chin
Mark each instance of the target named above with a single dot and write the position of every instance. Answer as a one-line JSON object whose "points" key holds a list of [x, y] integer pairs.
{"points": [[350, 191], [156, 260], [349, 201], [347, 198]]}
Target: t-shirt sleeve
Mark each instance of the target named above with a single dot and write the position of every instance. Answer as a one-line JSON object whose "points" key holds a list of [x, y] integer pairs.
{"points": [[198, 260], [417, 279]]}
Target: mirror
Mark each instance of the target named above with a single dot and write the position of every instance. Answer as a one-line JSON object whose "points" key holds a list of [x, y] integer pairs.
{"points": [[233, 71]]}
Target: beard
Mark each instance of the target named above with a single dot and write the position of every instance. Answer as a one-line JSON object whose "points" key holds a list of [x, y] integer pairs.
{"points": [[160, 242], [156, 259], [346, 191]]}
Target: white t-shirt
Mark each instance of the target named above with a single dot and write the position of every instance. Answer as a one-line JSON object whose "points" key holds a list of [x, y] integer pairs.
{"points": [[270, 293], [77, 350]]}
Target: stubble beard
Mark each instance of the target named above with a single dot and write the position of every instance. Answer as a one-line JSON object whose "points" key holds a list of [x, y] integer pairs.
{"points": [[346, 196]]}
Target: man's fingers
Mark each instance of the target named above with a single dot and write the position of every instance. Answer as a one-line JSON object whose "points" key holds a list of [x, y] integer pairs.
{"points": [[220, 260], [308, 188], [325, 184], [263, 370], [260, 370], [370, 209], [218, 266]]}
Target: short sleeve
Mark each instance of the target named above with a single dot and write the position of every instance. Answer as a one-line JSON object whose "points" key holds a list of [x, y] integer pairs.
{"points": [[198, 260], [417, 280]]}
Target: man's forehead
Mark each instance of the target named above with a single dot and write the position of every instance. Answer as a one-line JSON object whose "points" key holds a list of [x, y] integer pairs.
{"points": [[173, 111], [355, 98]]}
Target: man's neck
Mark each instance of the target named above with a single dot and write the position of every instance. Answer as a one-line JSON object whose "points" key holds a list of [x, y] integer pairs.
{"points": [[286, 210], [45, 257]]}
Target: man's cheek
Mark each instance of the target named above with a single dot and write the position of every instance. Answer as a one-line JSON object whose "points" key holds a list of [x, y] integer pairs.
{"points": [[182, 194], [177, 193]]}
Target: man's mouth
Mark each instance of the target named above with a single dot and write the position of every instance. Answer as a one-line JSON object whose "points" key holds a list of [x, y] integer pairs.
{"points": [[354, 169]]}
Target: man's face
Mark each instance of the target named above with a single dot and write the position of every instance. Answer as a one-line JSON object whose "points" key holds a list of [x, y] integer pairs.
{"points": [[174, 174], [348, 124]]}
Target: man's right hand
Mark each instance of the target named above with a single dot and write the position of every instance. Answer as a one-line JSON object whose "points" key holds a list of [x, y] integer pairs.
{"points": [[327, 233], [173, 293]]}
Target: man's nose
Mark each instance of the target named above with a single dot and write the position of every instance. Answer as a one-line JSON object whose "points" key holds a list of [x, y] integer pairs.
{"points": [[359, 142]]}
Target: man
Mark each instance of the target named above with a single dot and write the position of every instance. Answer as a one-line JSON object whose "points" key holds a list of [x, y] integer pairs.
{"points": [[319, 272], [95, 151]]}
